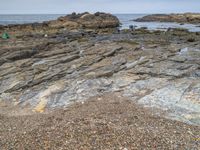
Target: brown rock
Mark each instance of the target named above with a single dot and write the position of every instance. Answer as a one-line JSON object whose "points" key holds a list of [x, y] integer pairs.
{"points": [[193, 18], [87, 20]]}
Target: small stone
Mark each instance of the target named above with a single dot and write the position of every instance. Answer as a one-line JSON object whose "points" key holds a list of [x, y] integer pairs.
{"points": [[99, 99]]}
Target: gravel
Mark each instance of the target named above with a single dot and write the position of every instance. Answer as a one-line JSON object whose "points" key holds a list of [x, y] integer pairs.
{"points": [[103, 122]]}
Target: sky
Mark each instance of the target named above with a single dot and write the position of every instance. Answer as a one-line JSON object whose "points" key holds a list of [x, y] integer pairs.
{"points": [[111, 6]]}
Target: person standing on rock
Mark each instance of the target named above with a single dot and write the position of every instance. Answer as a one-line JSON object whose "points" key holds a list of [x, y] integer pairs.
{"points": [[118, 30], [132, 28]]}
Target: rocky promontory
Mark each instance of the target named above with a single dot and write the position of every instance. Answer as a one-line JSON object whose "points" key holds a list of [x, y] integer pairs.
{"points": [[191, 18], [73, 21]]}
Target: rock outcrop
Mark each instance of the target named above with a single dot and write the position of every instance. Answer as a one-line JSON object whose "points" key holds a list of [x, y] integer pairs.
{"points": [[156, 69], [86, 20], [191, 18]]}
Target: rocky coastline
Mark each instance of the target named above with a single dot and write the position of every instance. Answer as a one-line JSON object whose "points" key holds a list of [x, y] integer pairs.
{"points": [[70, 22], [80, 65]]}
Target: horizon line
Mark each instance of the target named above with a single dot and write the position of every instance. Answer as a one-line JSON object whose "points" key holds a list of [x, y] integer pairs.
{"points": [[93, 13]]}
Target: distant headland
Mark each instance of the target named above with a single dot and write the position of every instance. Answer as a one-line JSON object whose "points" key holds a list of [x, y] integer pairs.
{"points": [[192, 18]]}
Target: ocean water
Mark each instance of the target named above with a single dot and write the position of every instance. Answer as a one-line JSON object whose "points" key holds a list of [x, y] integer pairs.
{"points": [[22, 19], [125, 19]]}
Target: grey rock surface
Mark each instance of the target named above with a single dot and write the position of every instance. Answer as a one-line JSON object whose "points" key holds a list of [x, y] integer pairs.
{"points": [[48, 72]]}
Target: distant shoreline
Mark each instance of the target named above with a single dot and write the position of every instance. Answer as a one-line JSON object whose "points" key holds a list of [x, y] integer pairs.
{"points": [[191, 18]]}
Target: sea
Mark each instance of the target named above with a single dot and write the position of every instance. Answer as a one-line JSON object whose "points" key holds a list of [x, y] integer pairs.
{"points": [[125, 19]]}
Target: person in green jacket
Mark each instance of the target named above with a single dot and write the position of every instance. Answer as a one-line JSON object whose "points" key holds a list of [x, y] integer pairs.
{"points": [[5, 36]]}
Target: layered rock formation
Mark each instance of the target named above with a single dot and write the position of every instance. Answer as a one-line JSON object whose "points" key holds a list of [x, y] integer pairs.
{"points": [[155, 69], [192, 18]]}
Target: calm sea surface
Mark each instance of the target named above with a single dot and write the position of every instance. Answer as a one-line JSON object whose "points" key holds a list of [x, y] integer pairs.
{"points": [[125, 19]]}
